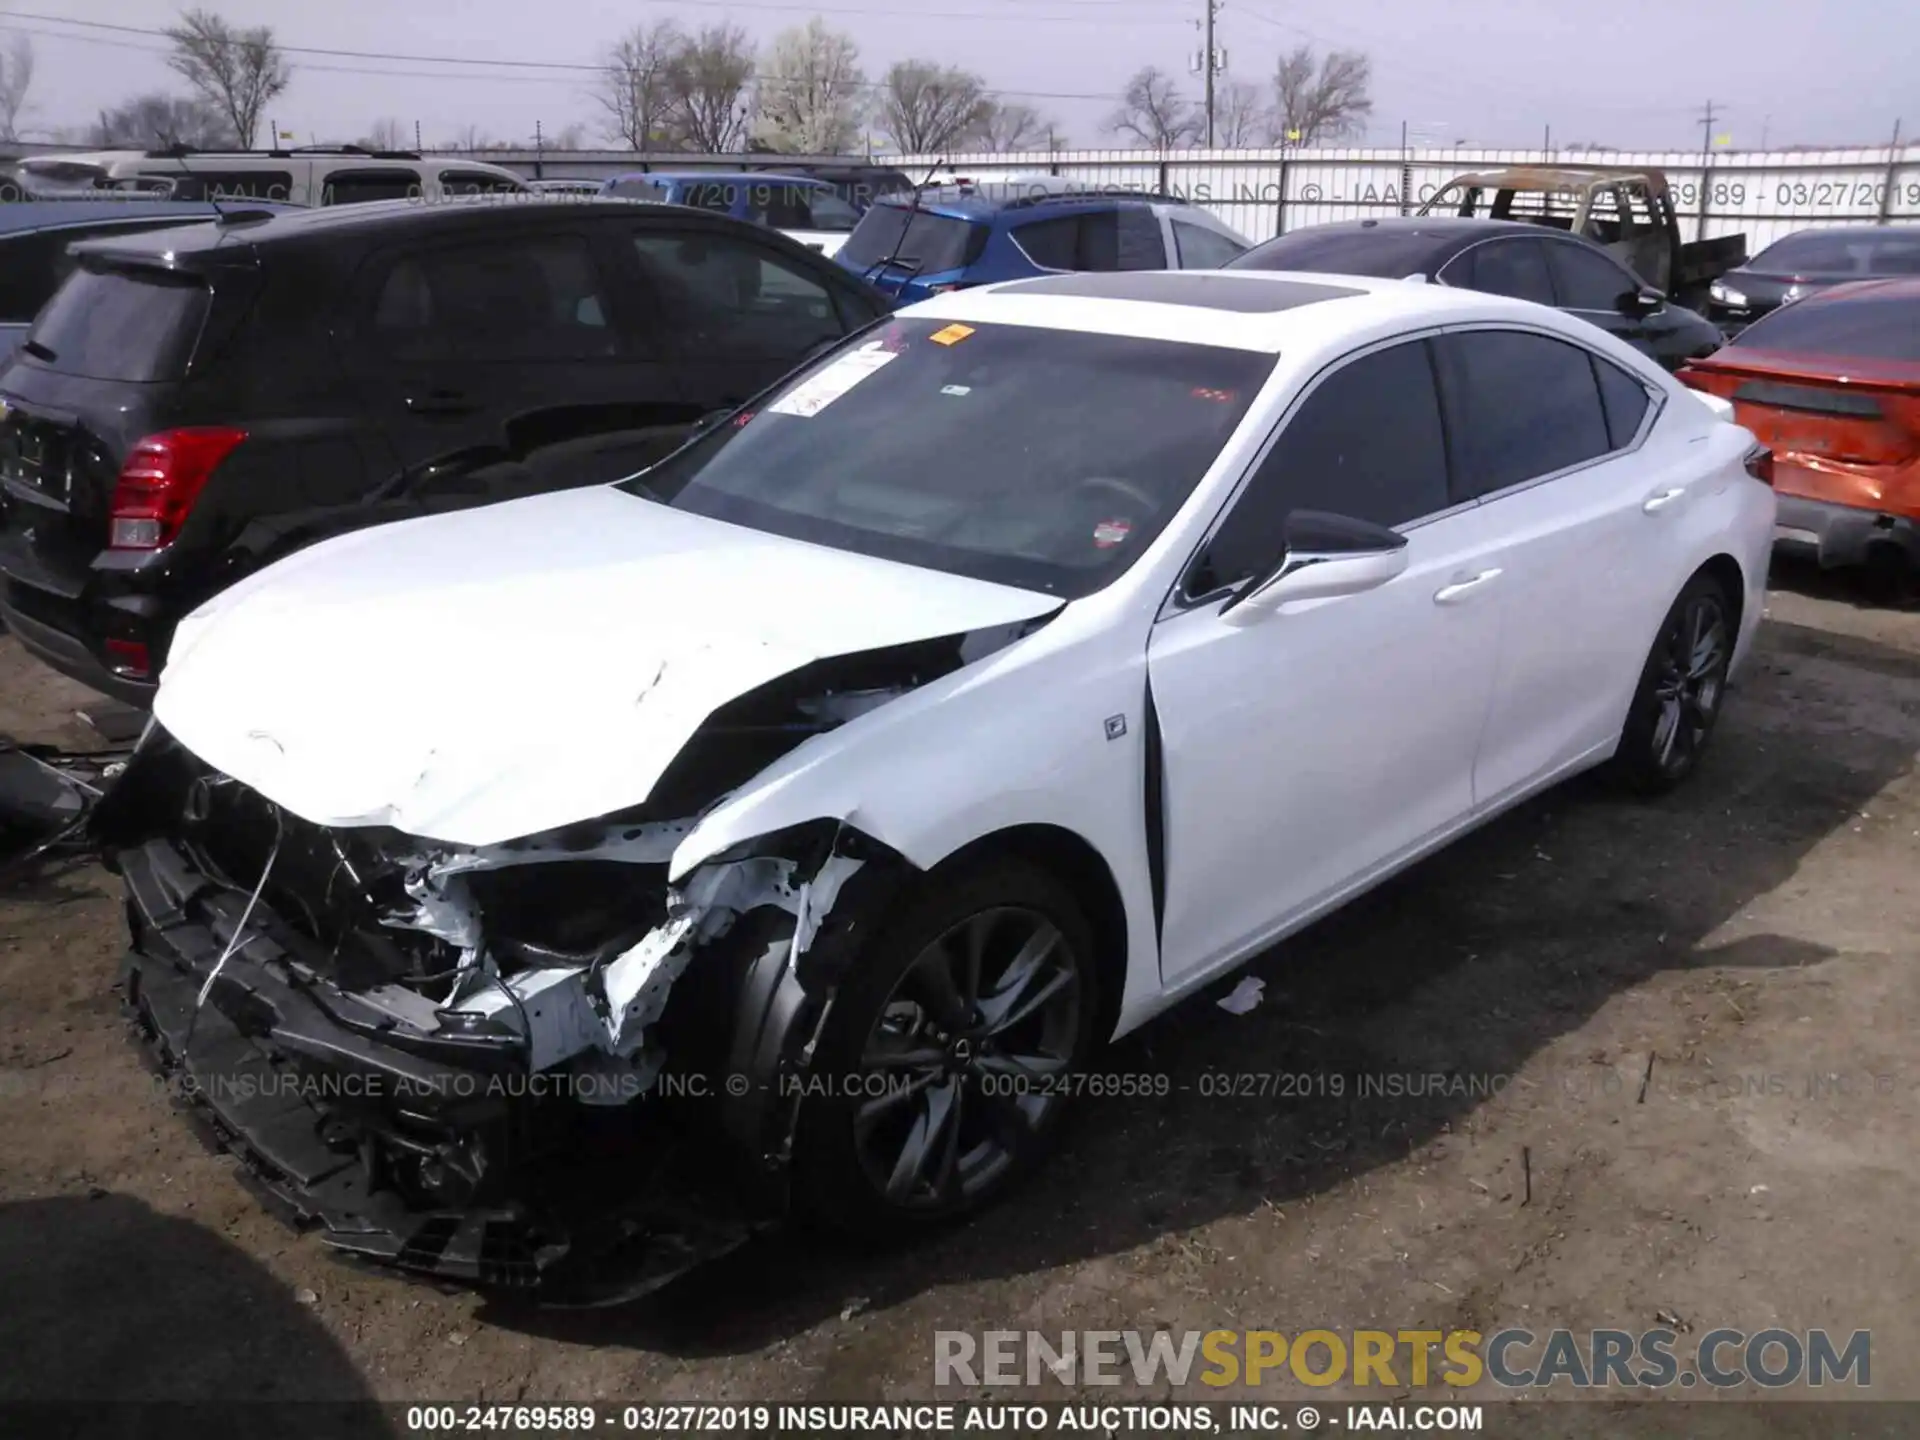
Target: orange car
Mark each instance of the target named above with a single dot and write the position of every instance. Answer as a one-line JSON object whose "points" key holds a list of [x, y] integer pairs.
{"points": [[1832, 384]]}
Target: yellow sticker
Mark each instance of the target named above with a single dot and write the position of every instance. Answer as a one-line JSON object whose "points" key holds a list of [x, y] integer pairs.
{"points": [[952, 335]]}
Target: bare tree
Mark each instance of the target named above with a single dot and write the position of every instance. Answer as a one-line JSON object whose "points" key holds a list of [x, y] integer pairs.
{"points": [[636, 88], [708, 102], [1153, 111], [16, 78], [1240, 115], [1321, 99], [470, 139], [237, 71], [1003, 126], [385, 134], [925, 107], [160, 122], [812, 91], [571, 136]]}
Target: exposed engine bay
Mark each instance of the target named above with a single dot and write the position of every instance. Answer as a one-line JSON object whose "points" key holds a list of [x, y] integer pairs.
{"points": [[535, 1065]]}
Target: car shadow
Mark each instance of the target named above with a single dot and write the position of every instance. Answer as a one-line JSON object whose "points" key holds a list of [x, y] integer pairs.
{"points": [[1468, 965], [1845, 585], [118, 1319]]}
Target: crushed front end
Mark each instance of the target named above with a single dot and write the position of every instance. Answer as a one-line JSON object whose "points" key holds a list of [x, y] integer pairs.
{"points": [[463, 1061]]}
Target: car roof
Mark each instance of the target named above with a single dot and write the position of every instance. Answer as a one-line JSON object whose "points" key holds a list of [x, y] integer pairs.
{"points": [[23, 215], [238, 227], [1261, 310], [1440, 227], [983, 202]]}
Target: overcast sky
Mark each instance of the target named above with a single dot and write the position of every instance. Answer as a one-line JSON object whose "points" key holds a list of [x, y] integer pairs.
{"points": [[1628, 73]]}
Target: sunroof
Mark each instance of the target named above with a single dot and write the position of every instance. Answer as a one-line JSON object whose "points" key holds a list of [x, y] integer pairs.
{"points": [[1248, 294]]}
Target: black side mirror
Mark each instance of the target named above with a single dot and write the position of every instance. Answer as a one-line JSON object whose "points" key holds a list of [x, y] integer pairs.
{"points": [[1324, 555], [1640, 303]]}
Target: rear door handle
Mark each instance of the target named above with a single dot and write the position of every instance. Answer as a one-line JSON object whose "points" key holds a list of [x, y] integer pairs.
{"points": [[441, 402], [1662, 499], [1462, 589]]}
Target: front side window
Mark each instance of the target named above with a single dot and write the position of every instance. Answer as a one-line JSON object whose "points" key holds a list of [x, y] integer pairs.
{"points": [[478, 182], [1519, 406], [1203, 249], [1367, 443], [1588, 280], [729, 297], [1516, 268], [1046, 459], [511, 298]]}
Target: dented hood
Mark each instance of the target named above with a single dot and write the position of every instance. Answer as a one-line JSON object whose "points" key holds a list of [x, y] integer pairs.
{"points": [[498, 672]]}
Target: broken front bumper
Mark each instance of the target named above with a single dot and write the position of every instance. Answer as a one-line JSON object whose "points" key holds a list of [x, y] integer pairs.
{"points": [[441, 1155]]}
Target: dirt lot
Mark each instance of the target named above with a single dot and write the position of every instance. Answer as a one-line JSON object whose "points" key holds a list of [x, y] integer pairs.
{"points": [[1755, 936]]}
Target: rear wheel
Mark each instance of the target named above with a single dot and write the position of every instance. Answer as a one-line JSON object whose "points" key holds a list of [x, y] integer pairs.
{"points": [[1681, 687], [939, 1082]]}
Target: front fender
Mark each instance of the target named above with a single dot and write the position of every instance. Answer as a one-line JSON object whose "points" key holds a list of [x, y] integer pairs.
{"points": [[1051, 735]]}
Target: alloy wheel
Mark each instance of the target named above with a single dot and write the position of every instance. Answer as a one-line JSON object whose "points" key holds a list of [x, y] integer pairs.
{"points": [[961, 1070], [1690, 681]]}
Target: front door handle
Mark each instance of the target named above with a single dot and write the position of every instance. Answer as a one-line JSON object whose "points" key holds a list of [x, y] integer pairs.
{"points": [[440, 402], [1661, 499], [1461, 589]]}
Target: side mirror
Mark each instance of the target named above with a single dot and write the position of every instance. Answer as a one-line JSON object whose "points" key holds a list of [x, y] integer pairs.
{"points": [[1326, 556], [1641, 302]]}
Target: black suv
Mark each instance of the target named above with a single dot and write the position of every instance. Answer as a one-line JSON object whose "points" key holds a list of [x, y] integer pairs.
{"points": [[195, 403]]}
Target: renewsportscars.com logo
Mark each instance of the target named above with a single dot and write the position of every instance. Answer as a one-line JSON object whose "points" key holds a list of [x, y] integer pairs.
{"points": [[1395, 1359]]}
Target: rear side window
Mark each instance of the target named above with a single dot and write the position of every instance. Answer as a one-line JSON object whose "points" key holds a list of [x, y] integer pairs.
{"points": [[640, 189], [1366, 443], [512, 298], [1588, 280], [926, 242], [1201, 248], [355, 187], [1624, 399], [206, 184], [1515, 268], [137, 325], [1870, 326], [711, 196], [1519, 406], [1120, 239]]}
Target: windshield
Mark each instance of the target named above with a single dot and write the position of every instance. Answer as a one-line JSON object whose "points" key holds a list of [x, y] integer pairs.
{"points": [[1046, 459], [932, 243], [1841, 252], [1389, 254], [1871, 326]]}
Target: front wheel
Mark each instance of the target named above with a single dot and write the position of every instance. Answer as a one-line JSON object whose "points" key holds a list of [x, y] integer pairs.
{"points": [[1681, 688], [945, 1066]]}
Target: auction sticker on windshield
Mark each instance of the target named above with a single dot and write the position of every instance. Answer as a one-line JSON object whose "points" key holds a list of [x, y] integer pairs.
{"points": [[820, 390]]}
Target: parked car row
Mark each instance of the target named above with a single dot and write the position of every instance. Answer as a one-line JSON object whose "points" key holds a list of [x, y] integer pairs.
{"points": [[602, 651]]}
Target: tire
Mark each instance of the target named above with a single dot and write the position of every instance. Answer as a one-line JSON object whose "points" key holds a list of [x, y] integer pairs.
{"points": [[916, 1113], [1682, 687]]}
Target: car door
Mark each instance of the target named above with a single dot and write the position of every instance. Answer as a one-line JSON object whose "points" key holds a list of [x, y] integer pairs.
{"points": [[1305, 751], [1546, 436], [1596, 287], [506, 364], [740, 311]]}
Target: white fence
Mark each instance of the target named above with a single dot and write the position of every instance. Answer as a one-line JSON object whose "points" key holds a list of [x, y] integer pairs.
{"points": [[1262, 193]]}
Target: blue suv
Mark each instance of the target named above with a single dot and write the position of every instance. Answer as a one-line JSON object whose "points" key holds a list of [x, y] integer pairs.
{"points": [[949, 239]]}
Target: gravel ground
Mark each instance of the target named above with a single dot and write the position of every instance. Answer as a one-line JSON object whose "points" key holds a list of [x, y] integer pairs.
{"points": [[1743, 953]]}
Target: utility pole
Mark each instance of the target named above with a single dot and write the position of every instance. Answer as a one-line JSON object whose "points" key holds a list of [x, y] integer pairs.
{"points": [[1706, 169], [1210, 60]]}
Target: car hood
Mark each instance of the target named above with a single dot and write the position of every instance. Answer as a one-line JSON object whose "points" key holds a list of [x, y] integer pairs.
{"points": [[495, 673]]}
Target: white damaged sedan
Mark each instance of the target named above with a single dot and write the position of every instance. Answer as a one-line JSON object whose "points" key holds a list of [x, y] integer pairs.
{"points": [[600, 875]]}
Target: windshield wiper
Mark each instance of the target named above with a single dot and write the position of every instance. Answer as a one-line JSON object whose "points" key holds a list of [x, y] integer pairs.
{"points": [[38, 351]]}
